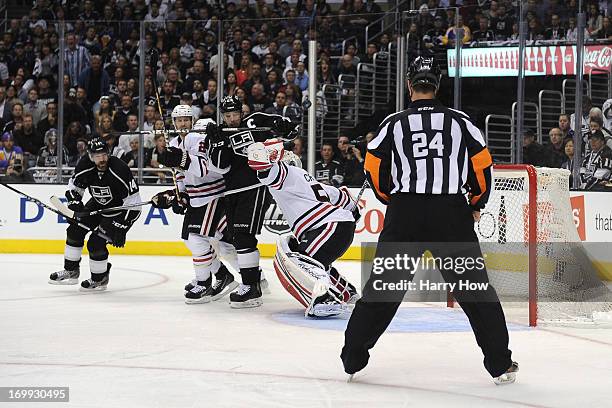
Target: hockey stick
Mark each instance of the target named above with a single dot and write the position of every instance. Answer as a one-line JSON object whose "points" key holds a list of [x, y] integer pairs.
{"points": [[176, 132], [57, 203], [239, 129], [360, 193], [53, 210]]}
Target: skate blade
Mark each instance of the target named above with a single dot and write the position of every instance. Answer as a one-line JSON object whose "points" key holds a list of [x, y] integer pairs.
{"points": [[247, 304], [94, 290], [64, 282], [229, 288], [505, 379], [350, 378], [205, 299]]}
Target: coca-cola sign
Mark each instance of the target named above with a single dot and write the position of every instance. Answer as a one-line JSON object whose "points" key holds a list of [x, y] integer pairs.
{"points": [[538, 61]]}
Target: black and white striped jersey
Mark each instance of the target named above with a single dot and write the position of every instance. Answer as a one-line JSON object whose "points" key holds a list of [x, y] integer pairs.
{"points": [[201, 180], [429, 149]]}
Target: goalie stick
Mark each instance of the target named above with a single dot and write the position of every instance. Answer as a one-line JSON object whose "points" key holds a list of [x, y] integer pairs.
{"points": [[53, 210], [67, 212], [360, 193]]}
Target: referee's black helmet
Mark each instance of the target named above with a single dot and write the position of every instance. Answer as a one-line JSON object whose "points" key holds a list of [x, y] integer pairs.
{"points": [[231, 103], [424, 71]]}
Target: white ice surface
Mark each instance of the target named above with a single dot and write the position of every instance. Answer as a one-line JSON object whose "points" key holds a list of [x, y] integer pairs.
{"points": [[140, 345]]}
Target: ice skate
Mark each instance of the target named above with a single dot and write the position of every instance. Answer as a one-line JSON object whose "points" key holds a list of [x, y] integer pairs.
{"points": [[325, 306], [90, 285], [224, 283], [265, 286], [509, 376], [191, 284], [246, 296], [199, 293], [64, 277]]}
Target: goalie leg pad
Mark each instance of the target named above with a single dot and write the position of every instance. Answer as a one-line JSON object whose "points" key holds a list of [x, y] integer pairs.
{"points": [[299, 274]]}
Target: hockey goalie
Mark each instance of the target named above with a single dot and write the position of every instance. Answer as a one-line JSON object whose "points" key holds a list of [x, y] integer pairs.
{"points": [[322, 219]]}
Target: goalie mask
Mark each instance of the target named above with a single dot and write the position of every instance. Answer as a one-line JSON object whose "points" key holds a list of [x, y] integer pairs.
{"points": [[182, 111]]}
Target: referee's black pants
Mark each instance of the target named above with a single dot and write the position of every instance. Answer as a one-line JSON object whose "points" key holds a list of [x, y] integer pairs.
{"points": [[420, 218]]}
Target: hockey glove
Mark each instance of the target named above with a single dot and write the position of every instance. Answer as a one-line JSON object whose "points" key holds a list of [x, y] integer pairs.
{"points": [[74, 201], [285, 127], [163, 199], [174, 157], [180, 205], [215, 136], [116, 231], [337, 180]]}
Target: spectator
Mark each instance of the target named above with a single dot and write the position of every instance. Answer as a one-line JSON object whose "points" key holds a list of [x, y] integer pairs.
{"points": [[371, 50], [450, 37], [5, 107], [572, 31], [126, 109], [29, 139], [596, 124], [564, 125], [150, 115], [272, 83], [587, 105], [280, 107], [151, 156], [556, 154], [258, 101], [34, 107], [594, 20], [244, 71], [568, 150], [533, 152], [555, 31], [597, 165], [11, 156], [352, 161], [327, 170], [262, 48], [502, 23], [607, 113], [301, 77], [113, 148], [131, 157], [605, 33], [255, 78], [81, 152], [132, 126], [16, 117], [325, 74], [346, 66], [187, 99], [483, 33], [299, 151], [73, 112], [74, 132], [94, 80], [168, 100], [76, 59], [105, 109]]}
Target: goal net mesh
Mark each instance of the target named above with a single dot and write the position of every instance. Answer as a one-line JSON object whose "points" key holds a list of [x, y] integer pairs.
{"points": [[568, 287]]}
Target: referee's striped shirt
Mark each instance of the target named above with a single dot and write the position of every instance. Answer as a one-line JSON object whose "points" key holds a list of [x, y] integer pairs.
{"points": [[429, 149]]}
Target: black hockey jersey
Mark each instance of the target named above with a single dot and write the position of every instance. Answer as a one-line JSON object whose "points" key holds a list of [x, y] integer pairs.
{"points": [[112, 188], [240, 176]]}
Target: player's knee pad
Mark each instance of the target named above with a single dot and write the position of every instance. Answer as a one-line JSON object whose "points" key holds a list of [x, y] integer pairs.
{"points": [[97, 248], [299, 274]]}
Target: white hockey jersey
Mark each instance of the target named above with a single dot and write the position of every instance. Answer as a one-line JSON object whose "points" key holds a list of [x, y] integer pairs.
{"points": [[306, 203], [201, 181]]}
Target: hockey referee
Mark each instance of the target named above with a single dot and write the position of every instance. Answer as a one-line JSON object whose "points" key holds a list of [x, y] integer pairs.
{"points": [[421, 164]]}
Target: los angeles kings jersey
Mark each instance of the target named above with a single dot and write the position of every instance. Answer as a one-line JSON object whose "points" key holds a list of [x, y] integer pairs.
{"points": [[240, 176], [112, 188], [202, 181], [306, 203]]}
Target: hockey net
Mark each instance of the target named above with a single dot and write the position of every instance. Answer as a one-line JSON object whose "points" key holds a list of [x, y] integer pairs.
{"points": [[533, 252]]}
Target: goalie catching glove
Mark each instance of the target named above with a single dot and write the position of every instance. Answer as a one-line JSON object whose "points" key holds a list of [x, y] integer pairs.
{"points": [[262, 155], [168, 199], [174, 157]]}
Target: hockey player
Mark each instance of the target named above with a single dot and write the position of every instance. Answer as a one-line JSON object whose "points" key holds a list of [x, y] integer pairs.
{"points": [[110, 184], [200, 199], [322, 219], [246, 200]]}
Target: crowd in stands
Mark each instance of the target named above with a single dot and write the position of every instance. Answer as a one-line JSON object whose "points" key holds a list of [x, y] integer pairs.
{"points": [[596, 146], [264, 57]]}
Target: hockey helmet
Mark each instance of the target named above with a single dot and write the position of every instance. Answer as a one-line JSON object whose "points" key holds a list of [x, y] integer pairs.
{"points": [[97, 145], [425, 71], [202, 123], [292, 159], [181, 111], [231, 103]]}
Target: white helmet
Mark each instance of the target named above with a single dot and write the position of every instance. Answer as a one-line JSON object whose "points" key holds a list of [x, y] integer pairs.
{"points": [[180, 111], [202, 123]]}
